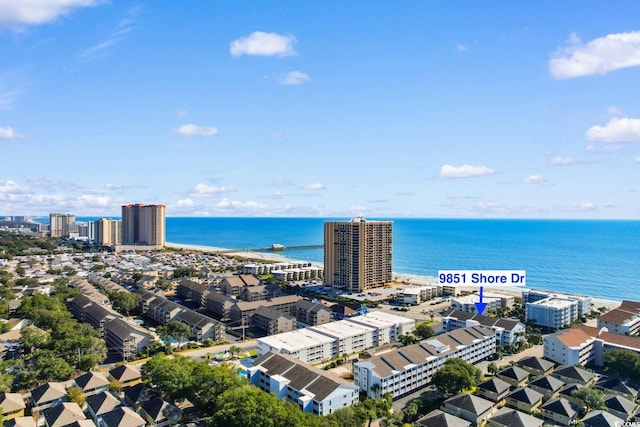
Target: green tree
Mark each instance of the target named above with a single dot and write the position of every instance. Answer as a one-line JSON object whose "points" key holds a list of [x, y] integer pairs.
{"points": [[456, 375], [76, 395], [623, 364], [592, 398], [185, 272], [407, 339], [250, 406], [124, 302], [423, 331], [136, 277], [51, 368], [209, 382], [492, 368], [171, 375], [179, 331], [33, 338]]}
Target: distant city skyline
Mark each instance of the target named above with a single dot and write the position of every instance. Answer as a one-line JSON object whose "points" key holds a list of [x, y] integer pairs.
{"points": [[321, 109]]}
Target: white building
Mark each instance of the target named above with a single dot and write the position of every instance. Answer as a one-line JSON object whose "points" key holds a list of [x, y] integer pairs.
{"points": [[388, 326], [553, 312], [583, 344], [403, 370], [467, 303], [414, 295], [584, 302], [622, 320], [304, 344], [349, 337], [313, 390], [508, 331]]}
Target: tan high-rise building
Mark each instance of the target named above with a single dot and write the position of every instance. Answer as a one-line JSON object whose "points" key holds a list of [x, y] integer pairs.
{"points": [[357, 253], [143, 225], [59, 224], [108, 232]]}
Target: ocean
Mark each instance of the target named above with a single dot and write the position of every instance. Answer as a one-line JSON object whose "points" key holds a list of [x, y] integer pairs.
{"points": [[600, 258]]}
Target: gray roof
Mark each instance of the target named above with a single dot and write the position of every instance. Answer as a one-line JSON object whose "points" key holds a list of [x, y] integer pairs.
{"points": [[537, 363], [122, 416], [63, 414], [487, 321], [575, 373], [103, 402], [437, 418], [91, 380], [560, 406], [495, 385], [470, 403], [619, 403], [601, 419], [616, 385], [526, 395], [548, 383], [512, 418], [514, 373]]}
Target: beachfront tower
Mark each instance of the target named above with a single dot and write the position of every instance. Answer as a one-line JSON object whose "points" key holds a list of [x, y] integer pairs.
{"points": [[357, 254], [143, 225], [59, 224]]}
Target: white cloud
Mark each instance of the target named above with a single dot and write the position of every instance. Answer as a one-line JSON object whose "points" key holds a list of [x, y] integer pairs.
{"points": [[295, 78], [638, 159], [315, 186], [610, 148], [616, 130], [614, 111], [237, 207], [263, 44], [465, 171], [566, 161], [582, 207], [117, 35], [204, 190], [461, 48], [11, 187], [534, 179], [599, 56], [195, 130], [92, 200], [9, 133], [16, 13]]}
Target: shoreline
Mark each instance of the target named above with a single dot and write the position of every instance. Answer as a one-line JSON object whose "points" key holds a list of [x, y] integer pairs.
{"points": [[400, 278]]}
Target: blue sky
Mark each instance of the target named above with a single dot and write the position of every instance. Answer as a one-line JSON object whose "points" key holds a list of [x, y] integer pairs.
{"points": [[332, 108]]}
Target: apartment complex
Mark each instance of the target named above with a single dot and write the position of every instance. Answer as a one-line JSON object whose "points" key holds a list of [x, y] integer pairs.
{"points": [[312, 389], [584, 345], [553, 312], [622, 320], [108, 232], [357, 253], [508, 331], [409, 368], [143, 225], [59, 224]]}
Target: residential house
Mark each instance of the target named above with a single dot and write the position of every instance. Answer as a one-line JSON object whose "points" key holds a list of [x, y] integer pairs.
{"points": [[566, 392], [123, 416], [536, 366], [12, 405], [101, 403], [125, 375], [619, 406], [63, 415], [47, 396], [469, 407], [559, 410], [159, 413], [507, 417], [493, 389], [617, 386], [547, 385], [515, 376], [92, 383], [574, 374], [524, 399], [601, 418], [135, 395], [437, 418], [20, 422]]}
